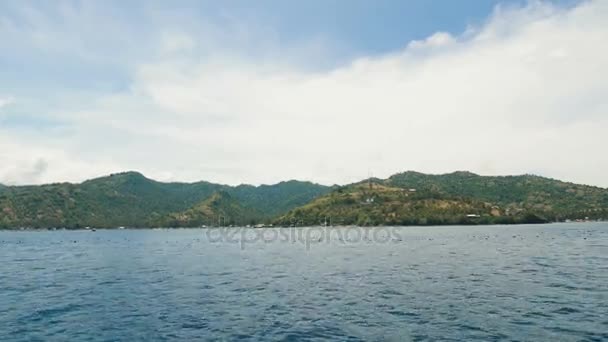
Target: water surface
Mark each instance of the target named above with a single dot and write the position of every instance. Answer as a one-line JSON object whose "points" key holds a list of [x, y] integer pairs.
{"points": [[429, 283]]}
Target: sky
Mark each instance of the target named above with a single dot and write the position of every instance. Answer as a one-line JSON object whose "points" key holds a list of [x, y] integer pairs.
{"points": [[330, 91]]}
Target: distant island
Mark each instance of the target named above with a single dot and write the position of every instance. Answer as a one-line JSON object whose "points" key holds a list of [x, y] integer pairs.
{"points": [[130, 199]]}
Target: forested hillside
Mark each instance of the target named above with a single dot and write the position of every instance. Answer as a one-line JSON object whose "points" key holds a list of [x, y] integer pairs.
{"points": [[130, 199], [413, 198]]}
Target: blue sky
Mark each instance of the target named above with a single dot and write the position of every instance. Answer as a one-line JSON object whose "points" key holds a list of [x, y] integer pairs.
{"points": [[263, 91], [354, 28]]}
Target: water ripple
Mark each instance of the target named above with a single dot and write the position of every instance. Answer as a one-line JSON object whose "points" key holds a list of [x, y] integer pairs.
{"points": [[438, 283]]}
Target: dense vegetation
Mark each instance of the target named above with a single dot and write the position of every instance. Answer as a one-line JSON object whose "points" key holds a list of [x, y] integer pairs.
{"points": [[279, 198], [129, 199], [413, 198], [221, 209], [550, 198], [132, 200], [378, 204]]}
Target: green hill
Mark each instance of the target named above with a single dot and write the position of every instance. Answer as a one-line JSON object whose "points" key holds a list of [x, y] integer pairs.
{"points": [[360, 204], [130, 199], [413, 198], [219, 209], [552, 198], [279, 198]]}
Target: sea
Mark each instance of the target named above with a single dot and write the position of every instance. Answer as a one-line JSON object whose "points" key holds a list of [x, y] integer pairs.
{"points": [[453, 283]]}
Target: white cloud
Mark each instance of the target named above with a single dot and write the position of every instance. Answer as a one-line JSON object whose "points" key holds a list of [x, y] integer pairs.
{"points": [[31, 162], [5, 101], [525, 92]]}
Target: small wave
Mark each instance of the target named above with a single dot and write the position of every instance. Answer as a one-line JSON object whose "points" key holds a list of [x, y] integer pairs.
{"points": [[520, 322], [195, 325], [566, 310], [390, 292], [403, 313], [470, 327], [529, 270], [537, 314], [563, 286], [49, 313]]}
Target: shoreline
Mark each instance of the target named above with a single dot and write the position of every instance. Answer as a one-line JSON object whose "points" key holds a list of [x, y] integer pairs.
{"points": [[94, 229]]}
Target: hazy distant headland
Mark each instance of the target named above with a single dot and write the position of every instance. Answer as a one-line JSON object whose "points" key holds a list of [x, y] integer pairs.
{"points": [[130, 199]]}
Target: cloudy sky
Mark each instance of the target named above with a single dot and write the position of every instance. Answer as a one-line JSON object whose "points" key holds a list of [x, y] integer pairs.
{"points": [[323, 90]]}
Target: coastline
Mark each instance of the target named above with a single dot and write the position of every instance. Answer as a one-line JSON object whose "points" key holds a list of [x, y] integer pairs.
{"points": [[93, 229]]}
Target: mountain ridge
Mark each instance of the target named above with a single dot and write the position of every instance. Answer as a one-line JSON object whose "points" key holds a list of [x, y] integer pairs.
{"points": [[131, 199], [461, 197], [133, 173]]}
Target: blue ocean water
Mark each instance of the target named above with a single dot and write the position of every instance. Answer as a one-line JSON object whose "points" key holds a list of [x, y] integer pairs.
{"points": [[544, 282]]}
